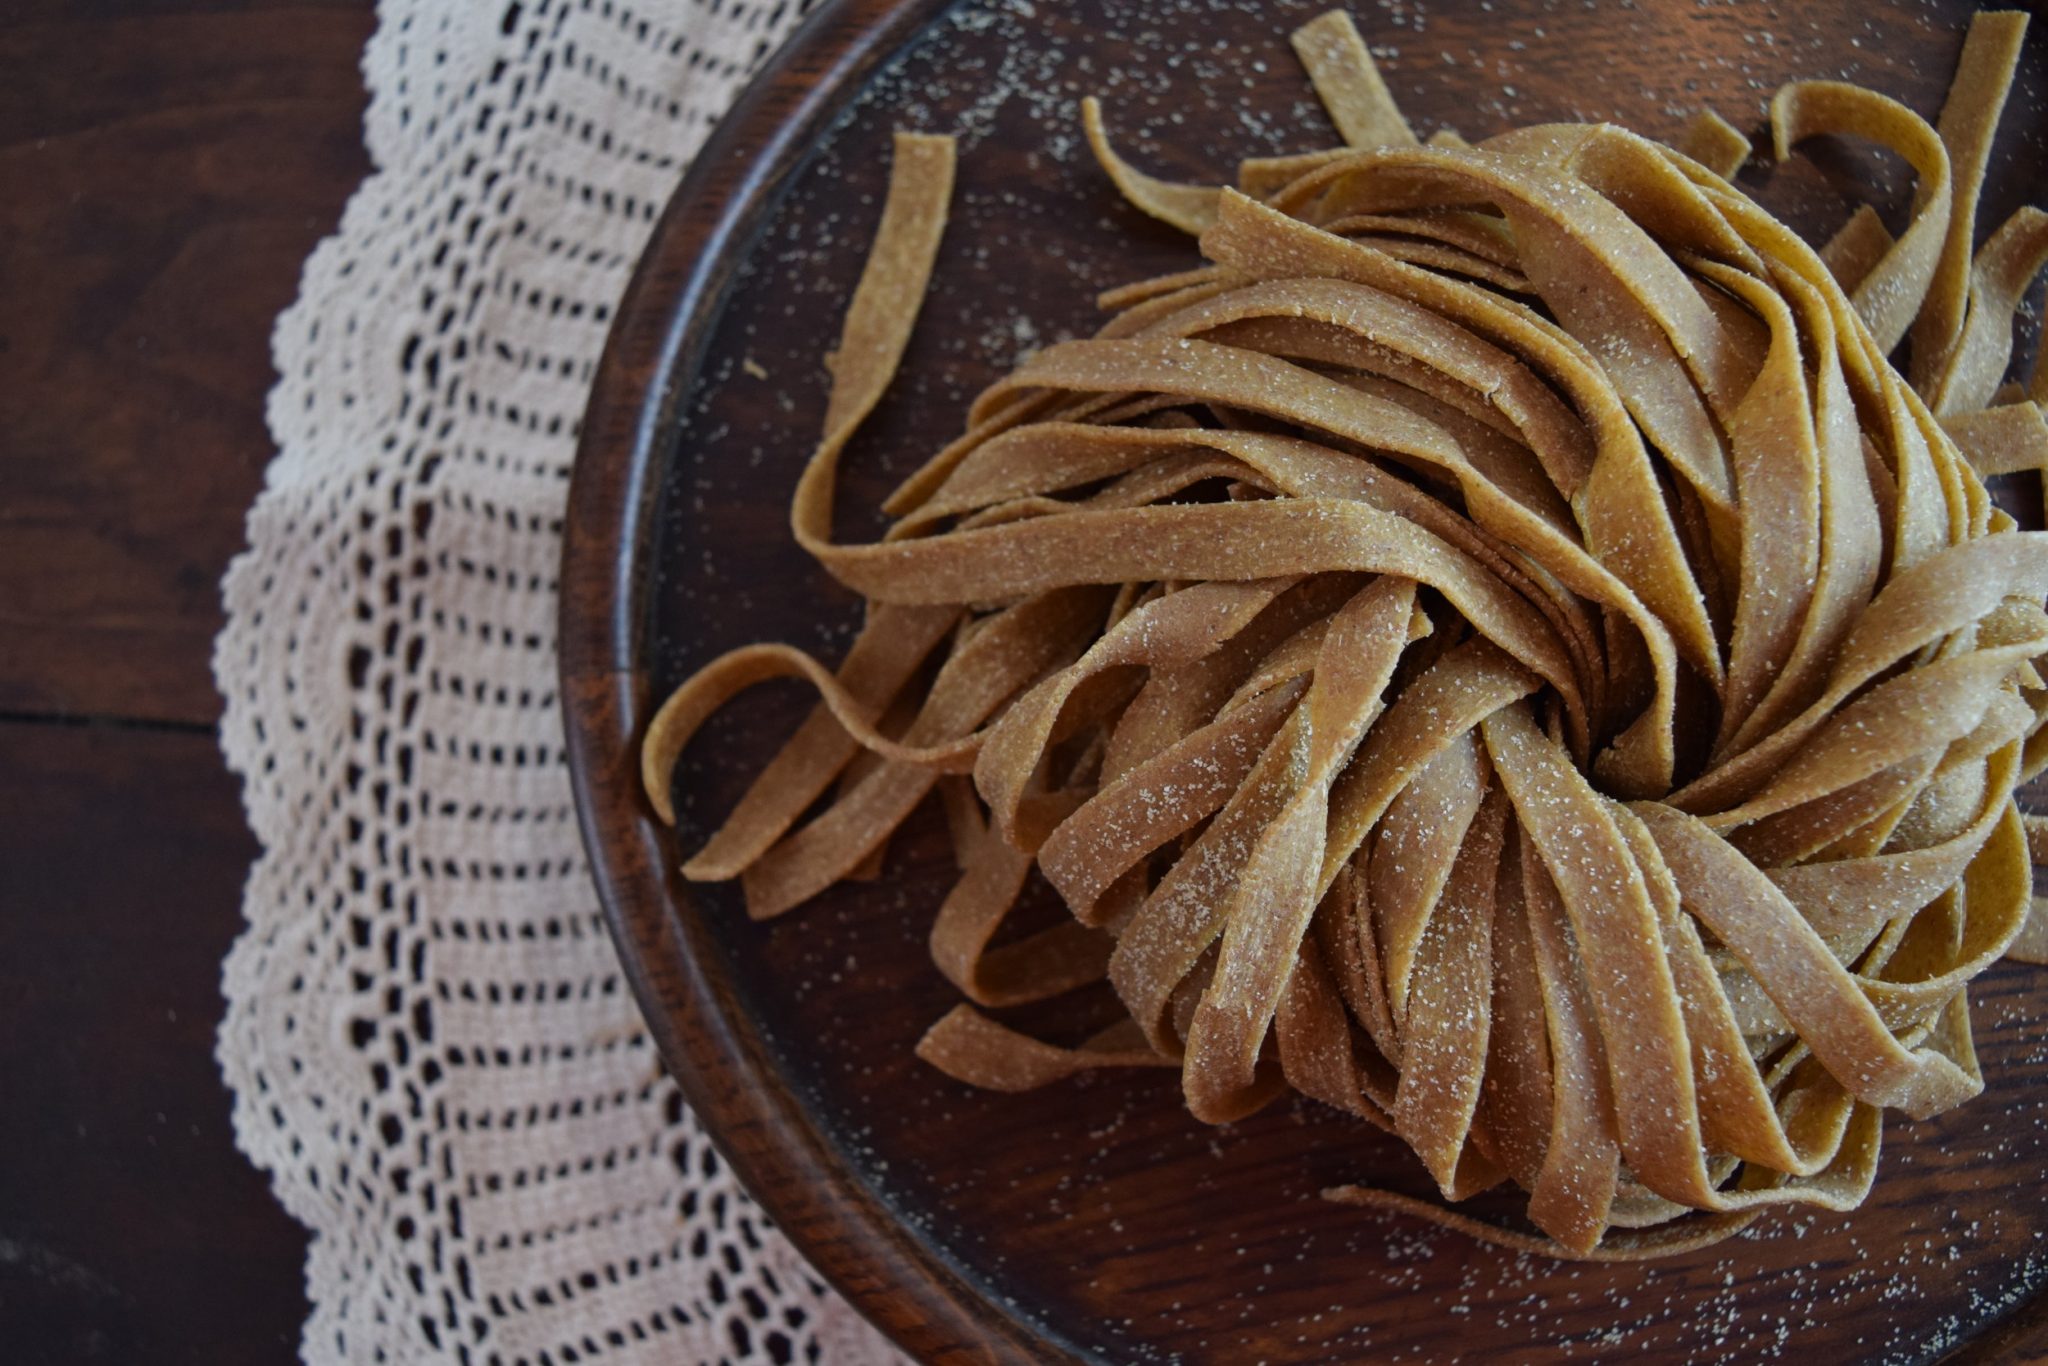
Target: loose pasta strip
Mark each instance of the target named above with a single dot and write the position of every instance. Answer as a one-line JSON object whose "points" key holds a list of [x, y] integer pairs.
{"points": [[1498, 649], [1352, 89], [1190, 208]]}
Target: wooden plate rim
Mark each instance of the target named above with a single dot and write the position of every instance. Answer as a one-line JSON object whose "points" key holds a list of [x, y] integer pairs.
{"points": [[927, 1304], [930, 1306]]}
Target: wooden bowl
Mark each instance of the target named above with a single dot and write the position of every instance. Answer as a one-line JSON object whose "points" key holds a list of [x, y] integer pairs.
{"points": [[1097, 1221]]}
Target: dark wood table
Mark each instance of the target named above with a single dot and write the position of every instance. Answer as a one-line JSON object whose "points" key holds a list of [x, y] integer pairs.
{"points": [[165, 167]]}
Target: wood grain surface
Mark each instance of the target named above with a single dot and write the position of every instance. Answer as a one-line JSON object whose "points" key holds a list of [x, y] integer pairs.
{"points": [[165, 167], [1096, 1221]]}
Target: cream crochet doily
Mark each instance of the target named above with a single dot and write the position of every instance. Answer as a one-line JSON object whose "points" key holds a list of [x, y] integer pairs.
{"points": [[430, 1044]]}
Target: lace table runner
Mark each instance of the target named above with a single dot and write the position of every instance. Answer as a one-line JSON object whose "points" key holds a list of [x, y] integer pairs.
{"points": [[430, 1043]]}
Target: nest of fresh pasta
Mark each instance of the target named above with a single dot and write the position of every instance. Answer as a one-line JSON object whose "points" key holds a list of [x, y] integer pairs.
{"points": [[1499, 649]]}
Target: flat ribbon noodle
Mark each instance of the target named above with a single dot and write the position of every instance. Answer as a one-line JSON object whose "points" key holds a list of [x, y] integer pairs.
{"points": [[1499, 649]]}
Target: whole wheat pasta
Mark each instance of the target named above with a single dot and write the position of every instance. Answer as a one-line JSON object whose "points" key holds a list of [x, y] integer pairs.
{"points": [[1499, 650]]}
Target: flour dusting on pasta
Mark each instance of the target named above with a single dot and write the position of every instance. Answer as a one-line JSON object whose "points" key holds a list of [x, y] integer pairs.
{"points": [[1498, 648]]}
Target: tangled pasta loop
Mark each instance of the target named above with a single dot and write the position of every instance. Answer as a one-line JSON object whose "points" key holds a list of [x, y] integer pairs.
{"points": [[1499, 650]]}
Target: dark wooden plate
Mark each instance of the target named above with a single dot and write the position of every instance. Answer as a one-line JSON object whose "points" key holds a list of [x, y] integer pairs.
{"points": [[1097, 1221]]}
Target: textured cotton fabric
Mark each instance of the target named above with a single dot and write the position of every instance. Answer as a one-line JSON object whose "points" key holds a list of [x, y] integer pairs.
{"points": [[431, 1046]]}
